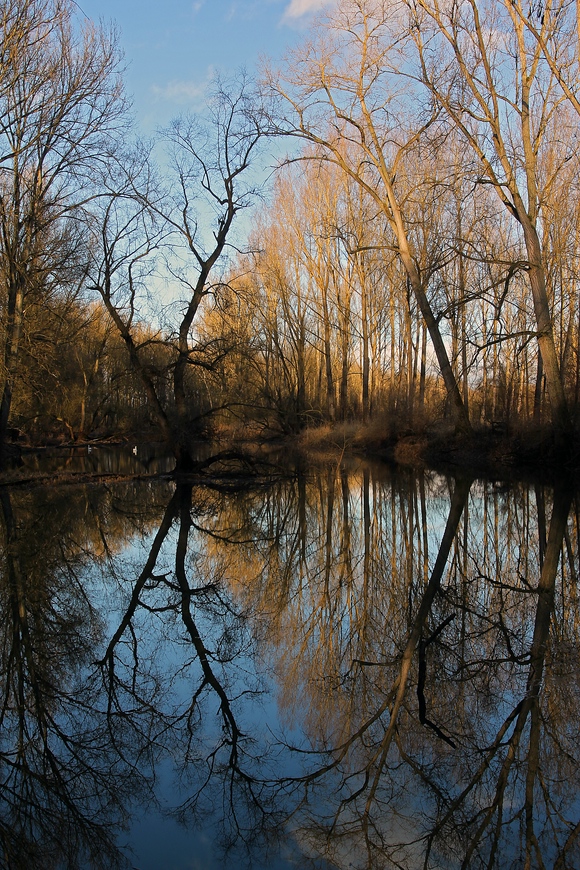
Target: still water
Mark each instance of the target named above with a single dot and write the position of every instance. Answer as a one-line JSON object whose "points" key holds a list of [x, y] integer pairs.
{"points": [[343, 666]]}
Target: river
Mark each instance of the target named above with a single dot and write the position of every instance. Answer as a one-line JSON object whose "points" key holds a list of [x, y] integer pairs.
{"points": [[338, 665]]}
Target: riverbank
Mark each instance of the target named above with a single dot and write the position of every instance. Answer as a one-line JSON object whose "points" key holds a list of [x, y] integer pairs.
{"points": [[491, 451]]}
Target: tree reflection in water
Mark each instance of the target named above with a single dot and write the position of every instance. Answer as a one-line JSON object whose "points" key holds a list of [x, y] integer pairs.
{"points": [[63, 782], [419, 635]]}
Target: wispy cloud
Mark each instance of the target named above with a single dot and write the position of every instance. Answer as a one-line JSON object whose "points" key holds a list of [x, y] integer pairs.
{"points": [[180, 92], [246, 11], [299, 8]]}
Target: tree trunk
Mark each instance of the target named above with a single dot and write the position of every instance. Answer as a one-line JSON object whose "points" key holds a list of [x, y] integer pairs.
{"points": [[560, 414], [330, 398], [13, 332], [460, 415]]}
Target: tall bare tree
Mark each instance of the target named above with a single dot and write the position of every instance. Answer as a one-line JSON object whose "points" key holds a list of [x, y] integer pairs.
{"points": [[211, 181], [61, 103], [487, 73], [340, 93]]}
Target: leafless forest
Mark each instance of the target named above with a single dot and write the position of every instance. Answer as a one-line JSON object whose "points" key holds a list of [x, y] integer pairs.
{"points": [[383, 231]]}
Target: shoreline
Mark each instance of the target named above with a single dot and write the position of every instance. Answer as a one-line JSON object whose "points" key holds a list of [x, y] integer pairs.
{"points": [[527, 453]]}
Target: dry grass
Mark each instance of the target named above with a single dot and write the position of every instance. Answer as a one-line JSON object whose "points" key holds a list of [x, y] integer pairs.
{"points": [[527, 450]]}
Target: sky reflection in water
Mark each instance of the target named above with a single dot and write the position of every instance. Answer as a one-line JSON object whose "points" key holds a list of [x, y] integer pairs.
{"points": [[344, 667]]}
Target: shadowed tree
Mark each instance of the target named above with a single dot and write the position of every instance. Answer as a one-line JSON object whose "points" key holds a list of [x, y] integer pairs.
{"points": [[211, 182], [61, 104]]}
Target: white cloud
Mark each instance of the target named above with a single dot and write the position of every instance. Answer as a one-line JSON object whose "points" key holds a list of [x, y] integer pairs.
{"points": [[177, 91], [298, 8]]}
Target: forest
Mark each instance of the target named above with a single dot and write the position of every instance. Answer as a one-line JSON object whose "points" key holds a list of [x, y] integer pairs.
{"points": [[380, 236], [230, 627]]}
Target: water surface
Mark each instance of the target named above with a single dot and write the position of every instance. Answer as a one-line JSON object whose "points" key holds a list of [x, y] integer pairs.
{"points": [[340, 666]]}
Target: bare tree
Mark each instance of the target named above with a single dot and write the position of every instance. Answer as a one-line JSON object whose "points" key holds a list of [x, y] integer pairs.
{"points": [[125, 234], [210, 183], [61, 103], [340, 94], [484, 70]]}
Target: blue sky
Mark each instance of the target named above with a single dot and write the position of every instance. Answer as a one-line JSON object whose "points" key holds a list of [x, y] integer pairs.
{"points": [[173, 46]]}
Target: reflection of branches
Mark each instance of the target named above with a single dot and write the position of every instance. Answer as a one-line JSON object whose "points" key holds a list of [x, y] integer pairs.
{"points": [[526, 709], [478, 827], [145, 705], [180, 507], [384, 746], [78, 754], [232, 731], [58, 802], [458, 501], [376, 756], [422, 677], [337, 600], [146, 575]]}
